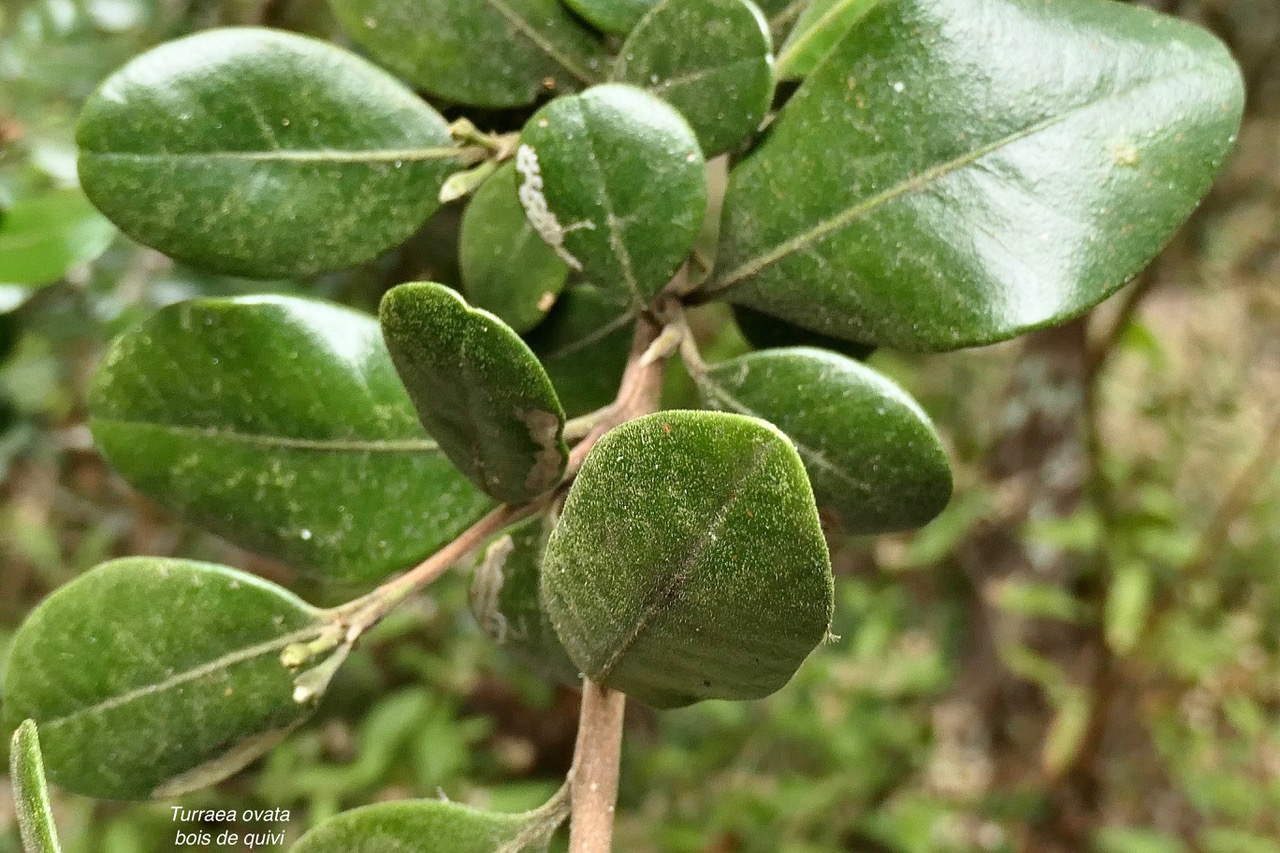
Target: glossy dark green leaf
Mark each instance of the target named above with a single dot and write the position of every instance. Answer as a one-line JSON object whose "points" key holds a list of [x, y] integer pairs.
{"points": [[871, 452], [818, 29], [151, 677], [30, 793], [506, 599], [688, 562], [506, 268], [427, 825], [611, 16], [765, 332], [613, 179], [957, 172], [710, 59], [261, 153], [478, 390], [583, 344], [281, 425], [486, 53], [44, 236]]}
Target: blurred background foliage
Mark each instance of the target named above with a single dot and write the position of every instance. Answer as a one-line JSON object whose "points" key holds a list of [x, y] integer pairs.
{"points": [[1081, 654]]}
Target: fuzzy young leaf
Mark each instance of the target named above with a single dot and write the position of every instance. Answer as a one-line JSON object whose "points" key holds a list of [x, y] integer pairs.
{"points": [[442, 826], [149, 677], [822, 24], [44, 236], [30, 793], [689, 563], [506, 268], [710, 59], [958, 172], [588, 326], [613, 179], [871, 453], [478, 389], [280, 424], [506, 599], [260, 153], [485, 53]]}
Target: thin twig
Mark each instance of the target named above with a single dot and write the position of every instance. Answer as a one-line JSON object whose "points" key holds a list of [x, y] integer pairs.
{"points": [[1238, 498], [598, 750], [595, 769]]}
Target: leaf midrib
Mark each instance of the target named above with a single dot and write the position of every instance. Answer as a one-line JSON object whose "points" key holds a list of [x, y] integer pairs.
{"points": [[284, 442], [223, 661], [544, 44], [913, 184]]}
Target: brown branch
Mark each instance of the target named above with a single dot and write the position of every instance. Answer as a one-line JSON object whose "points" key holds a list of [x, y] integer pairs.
{"points": [[1100, 351], [596, 755], [595, 769]]}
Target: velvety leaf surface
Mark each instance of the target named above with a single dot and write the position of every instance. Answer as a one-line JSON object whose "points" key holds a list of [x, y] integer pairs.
{"points": [[485, 53], [44, 236], [280, 424], [151, 677], [506, 599], [613, 179], [871, 452], [957, 172], [411, 825], [611, 16], [822, 24], [478, 389], [688, 562], [710, 59], [765, 332], [506, 268], [30, 793], [583, 344], [260, 153]]}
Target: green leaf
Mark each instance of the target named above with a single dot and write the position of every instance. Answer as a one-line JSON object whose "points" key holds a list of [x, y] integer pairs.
{"points": [[822, 24], [710, 59], [410, 824], [478, 389], [506, 268], [280, 424], [260, 153], [506, 599], [871, 452], [782, 15], [688, 562], [1062, 743], [1128, 607], [611, 16], [149, 677], [590, 328], [485, 53], [43, 237], [613, 179], [957, 172], [30, 793], [765, 332]]}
